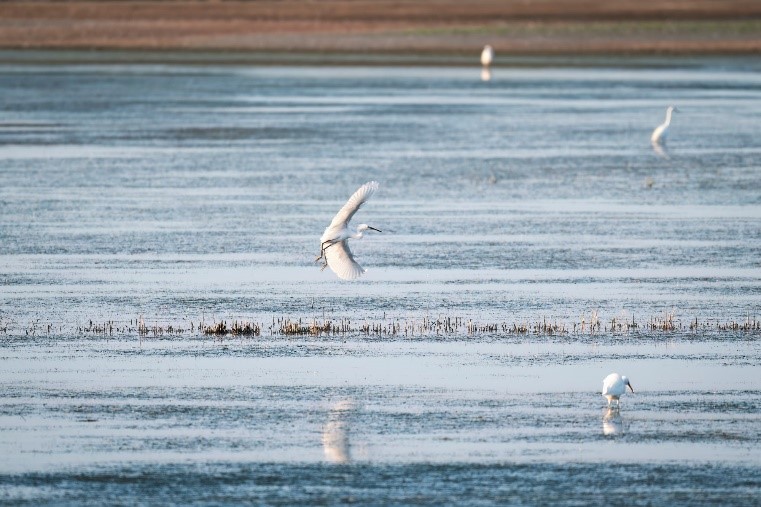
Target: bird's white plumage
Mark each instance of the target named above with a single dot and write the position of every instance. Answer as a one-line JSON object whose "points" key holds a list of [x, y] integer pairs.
{"points": [[487, 55], [345, 214], [334, 241], [661, 131], [614, 385], [341, 261]]}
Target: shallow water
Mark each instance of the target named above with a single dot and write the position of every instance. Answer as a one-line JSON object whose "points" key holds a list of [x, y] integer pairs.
{"points": [[188, 194]]}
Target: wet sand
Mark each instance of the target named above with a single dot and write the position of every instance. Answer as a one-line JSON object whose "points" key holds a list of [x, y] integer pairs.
{"points": [[444, 27]]}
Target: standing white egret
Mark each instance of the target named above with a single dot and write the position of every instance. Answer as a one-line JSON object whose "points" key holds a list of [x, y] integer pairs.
{"points": [[487, 55], [613, 386], [661, 131], [334, 247]]}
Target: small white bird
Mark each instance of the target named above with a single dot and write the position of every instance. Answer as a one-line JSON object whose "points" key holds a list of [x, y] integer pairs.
{"points": [[613, 386], [487, 55], [661, 131], [334, 247]]}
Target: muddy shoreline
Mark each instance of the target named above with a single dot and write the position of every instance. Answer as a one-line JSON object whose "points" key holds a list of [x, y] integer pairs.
{"points": [[432, 30], [55, 57]]}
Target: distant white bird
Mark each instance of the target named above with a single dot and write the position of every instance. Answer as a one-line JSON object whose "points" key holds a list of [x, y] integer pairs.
{"points": [[334, 247], [661, 131], [613, 386], [487, 55]]}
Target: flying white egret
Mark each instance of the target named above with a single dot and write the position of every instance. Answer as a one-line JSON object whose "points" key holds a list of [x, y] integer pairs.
{"points": [[487, 55], [613, 386], [334, 247], [661, 131]]}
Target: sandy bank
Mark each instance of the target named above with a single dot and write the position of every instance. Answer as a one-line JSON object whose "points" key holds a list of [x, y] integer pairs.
{"points": [[433, 27]]}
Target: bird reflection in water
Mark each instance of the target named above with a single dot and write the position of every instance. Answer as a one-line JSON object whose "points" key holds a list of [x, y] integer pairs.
{"points": [[335, 433], [612, 424], [486, 74], [661, 150]]}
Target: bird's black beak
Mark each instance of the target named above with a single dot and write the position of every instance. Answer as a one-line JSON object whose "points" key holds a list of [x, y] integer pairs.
{"points": [[373, 228], [630, 387]]}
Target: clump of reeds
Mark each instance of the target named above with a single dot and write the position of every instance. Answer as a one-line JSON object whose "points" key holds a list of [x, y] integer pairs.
{"points": [[537, 328], [748, 325], [288, 327], [236, 328], [664, 323], [475, 328], [111, 327], [101, 328], [588, 326], [623, 324], [156, 329]]}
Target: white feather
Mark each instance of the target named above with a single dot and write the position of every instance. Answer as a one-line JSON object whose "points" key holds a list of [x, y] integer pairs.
{"points": [[341, 261], [614, 385]]}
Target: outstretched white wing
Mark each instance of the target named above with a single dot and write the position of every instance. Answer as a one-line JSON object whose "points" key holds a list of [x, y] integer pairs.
{"points": [[352, 205], [342, 262]]}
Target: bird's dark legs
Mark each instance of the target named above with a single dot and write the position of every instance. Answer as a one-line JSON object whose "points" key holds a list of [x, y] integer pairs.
{"points": [[322, 250], [324, 247]]}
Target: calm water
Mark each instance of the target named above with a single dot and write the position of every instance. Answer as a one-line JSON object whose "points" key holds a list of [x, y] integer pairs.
{"points": [[186, 194]]}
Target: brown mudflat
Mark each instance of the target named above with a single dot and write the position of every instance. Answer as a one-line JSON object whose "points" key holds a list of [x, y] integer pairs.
{"points": [[541, 27]]}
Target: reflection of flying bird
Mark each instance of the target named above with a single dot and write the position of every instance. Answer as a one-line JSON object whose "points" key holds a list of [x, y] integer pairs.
{"points": [[335, 434], [613, 386], [334, 247], [487, 55], [612, 424], [661, 131]]}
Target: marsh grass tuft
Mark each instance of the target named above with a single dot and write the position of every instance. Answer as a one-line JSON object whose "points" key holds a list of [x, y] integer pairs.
{"points": [[235, 329]]}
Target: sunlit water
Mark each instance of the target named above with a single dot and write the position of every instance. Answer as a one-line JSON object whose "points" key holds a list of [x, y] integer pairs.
{"points": [[188, 194]]}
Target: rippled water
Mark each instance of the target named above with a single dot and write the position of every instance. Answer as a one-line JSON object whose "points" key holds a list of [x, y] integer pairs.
{"points": [[188, 194]]}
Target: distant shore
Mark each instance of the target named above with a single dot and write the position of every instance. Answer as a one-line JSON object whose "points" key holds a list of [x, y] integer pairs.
{"points": [[31, 57], [429, 31]]}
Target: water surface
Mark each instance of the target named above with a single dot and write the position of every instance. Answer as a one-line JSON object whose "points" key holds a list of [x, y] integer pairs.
{"points": [[184, 194]]}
